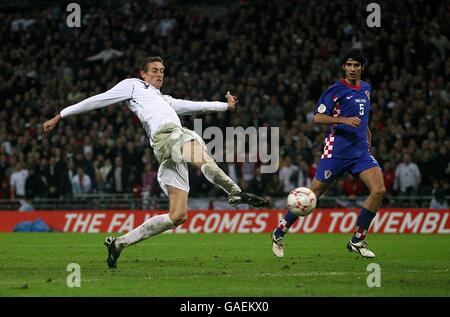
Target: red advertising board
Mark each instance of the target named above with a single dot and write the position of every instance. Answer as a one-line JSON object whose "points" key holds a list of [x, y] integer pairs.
{"points": [[388, 220]]}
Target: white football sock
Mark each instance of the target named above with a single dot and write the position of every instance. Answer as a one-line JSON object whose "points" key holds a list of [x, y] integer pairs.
{"points": [[149, 228], [215, 175]]}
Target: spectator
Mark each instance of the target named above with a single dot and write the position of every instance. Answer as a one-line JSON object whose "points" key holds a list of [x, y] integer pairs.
{"points": [[166, 25], [256, 185], [34, 185], [71, 172], [352, 187], [388, 176], [17, 182], [273, 112], [200, 187], [81, 182], [149, 181], [407, 176], [4, 188], [303, 179], [278, 79], [274, 188], [3, 166], [26, 205], [61, 184], [441, 161], [88, 167], [247, 169], [119, 177], [439, 201], [440, 41], [288, 175], [105, 170], [427, 168]]}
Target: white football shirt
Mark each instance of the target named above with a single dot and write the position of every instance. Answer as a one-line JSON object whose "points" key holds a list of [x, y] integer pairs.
{"points": [[18, 181], [151, 107]]}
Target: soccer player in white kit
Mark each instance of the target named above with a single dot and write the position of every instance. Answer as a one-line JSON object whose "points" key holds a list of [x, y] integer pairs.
{"points": [[173, 146]]}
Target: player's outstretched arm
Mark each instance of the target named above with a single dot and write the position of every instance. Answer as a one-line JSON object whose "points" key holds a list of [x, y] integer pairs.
{"points": [[182, 106], [120, 92]]}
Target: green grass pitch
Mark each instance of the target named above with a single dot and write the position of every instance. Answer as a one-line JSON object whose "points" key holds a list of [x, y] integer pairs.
{"points": [[224, 265]]}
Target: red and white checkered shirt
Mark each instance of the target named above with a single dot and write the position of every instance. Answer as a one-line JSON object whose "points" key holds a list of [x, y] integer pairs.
{"points": [[329, 141]]}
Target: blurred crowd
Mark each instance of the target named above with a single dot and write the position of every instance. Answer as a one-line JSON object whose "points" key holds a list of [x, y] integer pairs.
{"points": [[276, 56]]}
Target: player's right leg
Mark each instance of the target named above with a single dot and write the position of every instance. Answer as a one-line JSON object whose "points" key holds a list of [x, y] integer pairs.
{"points": [[194, 153], [178, 205], [290, 218]]}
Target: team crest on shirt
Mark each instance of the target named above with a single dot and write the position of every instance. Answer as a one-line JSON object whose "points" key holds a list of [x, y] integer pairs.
{"points": [[321, 108], [367, 94], [327, 174]]}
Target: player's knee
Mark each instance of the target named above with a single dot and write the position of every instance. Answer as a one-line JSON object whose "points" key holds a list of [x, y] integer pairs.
{"points": [[178, 218], [379, 191]]}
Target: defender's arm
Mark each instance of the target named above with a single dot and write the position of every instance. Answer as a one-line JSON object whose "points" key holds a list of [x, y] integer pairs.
{"points": [[321, 118]]}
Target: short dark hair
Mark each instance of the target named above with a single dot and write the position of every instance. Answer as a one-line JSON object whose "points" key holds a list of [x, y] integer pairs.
{"points": [[143, 63], [355, 54]]}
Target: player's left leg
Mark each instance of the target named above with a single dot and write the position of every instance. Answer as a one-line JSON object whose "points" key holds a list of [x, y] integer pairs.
{"points": [[178, 206], [373, 178], [327, 171], [318, 187]]}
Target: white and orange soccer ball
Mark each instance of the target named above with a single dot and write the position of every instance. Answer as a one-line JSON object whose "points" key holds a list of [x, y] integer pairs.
{"points": [[301, 201]]}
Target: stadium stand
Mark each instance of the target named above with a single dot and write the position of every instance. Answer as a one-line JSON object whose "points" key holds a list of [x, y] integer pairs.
{"points": [[276, 56]]}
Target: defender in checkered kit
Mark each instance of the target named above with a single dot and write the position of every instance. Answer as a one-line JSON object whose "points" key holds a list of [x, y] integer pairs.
{"points": [[345, 106]]}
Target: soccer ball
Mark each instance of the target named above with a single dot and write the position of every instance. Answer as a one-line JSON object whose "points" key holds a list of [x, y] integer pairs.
{"points": [[301, 201]]}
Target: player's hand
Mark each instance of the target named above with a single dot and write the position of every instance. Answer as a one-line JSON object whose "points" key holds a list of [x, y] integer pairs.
{"points": [[51, 124], [231, 100], [351, 121]]}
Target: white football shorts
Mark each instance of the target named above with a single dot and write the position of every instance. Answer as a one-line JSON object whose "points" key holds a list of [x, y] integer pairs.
{"points": [[167, 143]]}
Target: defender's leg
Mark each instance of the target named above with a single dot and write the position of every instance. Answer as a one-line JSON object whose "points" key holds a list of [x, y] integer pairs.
{"points": [[373, 178], [290, 218]]}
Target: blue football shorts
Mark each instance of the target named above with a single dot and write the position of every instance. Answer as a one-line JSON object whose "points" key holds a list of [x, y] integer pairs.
{"points": [[331, 168]]}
